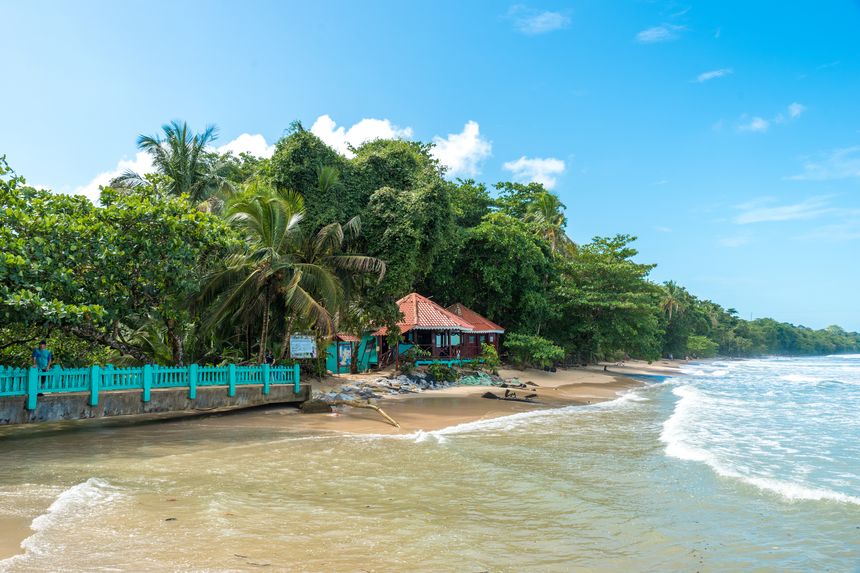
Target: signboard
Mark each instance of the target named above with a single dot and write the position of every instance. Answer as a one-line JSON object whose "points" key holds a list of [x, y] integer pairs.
{"points": [[302, 346], [344, 354]]}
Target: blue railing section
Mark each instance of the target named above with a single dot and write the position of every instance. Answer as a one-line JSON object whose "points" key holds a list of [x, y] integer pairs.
{"points": [[31, 382]]}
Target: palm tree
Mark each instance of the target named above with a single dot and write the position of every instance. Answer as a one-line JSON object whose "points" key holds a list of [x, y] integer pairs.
{"points": [[182, 157], [282, 267], [547, 212], [673, 297]]}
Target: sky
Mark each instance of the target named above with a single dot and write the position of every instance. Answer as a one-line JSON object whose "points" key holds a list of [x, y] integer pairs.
{"points": [[724, 135]]}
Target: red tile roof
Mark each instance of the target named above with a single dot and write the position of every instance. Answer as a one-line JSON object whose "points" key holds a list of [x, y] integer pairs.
{"points": [[420, 312], [344, 337], [478, 322]]}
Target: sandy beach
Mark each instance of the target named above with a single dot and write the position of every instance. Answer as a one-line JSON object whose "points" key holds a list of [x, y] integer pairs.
{"points": [[436, 409]]}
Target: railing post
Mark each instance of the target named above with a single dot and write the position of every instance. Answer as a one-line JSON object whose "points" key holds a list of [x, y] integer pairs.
{"points": [[32, 387], [296, 378], [95, 376], [192, 382], [264, 368], [231, 380], [147, 382], [108, 375]]}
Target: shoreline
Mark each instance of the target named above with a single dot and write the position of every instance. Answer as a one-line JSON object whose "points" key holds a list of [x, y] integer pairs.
{"points": [[434, 410]]}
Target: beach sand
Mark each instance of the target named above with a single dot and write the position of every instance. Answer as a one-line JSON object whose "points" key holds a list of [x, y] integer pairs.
{"points": [[437, 409]]}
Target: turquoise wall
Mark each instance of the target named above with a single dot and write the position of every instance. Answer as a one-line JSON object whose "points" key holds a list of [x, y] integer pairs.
{"points": [[366, 356]]}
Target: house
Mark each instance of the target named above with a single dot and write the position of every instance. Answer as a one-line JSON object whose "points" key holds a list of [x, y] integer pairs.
{"points": [[483, 330], [425, 325]]}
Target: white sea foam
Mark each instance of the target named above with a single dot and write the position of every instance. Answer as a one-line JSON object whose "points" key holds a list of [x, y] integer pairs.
{"points": [[80, 501], [690, 434], [801, 378]]}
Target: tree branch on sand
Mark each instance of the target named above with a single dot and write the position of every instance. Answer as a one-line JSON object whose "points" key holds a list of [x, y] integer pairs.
{"points": [[359, 404]]}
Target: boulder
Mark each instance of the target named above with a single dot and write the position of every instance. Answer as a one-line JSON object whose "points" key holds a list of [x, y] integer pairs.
{"points": [[315, 407]]}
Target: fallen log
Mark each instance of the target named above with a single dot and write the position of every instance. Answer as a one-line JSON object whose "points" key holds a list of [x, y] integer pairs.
{"points": [[359, 404]]}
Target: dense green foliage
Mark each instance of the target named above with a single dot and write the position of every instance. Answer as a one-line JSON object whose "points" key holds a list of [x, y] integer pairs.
{"points": [[216, 257], [530, 350]]}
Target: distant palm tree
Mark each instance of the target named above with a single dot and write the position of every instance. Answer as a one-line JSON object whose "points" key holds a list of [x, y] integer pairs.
{"points": [[182, 157], [547, 212], [282, 267], [673, 299]]}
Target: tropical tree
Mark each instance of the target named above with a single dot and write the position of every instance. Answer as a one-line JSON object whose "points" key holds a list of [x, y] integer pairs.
{"points": [[546, 211], [282, 267], [182, 158], [672, 301]]}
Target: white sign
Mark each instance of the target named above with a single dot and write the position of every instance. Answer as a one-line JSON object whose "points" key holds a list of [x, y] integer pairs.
{"points": [[302, 346]]}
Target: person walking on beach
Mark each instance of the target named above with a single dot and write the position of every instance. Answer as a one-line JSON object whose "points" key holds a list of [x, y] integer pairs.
{"points": [[42, 357]]}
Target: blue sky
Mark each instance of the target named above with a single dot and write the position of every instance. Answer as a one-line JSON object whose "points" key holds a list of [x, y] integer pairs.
{"points": [[725, 135]]}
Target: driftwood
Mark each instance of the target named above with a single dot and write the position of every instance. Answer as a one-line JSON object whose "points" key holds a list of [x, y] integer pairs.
{"points": [[359, 404]]}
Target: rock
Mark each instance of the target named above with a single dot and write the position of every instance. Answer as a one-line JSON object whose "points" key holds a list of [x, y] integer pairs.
{"points": [[315, 407], [490, 395]]}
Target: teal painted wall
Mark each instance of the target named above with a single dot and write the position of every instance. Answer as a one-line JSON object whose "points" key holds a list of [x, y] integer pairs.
{"points": [[366, 356]]}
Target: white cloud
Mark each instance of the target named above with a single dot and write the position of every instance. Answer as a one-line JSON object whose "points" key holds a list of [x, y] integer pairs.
{"points": [[247, 143], [461, 153], [837, 164], [533, 22], [141, 164], [764, 211], [756, 124], [661, 33], [795, 110], [538, 170], [761, 125], [368, 129], [713, 74]]}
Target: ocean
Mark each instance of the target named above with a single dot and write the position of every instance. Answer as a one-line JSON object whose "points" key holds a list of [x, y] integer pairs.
{"points": [[749, 465]]}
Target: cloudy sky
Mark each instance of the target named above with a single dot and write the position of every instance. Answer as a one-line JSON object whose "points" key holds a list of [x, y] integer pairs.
{"points": [[725, 135]]}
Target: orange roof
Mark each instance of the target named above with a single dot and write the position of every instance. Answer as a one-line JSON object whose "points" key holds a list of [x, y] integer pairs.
{"points": [[343, 336], [478, 322], [420, 312]]}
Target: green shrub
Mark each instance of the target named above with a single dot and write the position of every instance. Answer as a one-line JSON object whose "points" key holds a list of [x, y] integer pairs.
{"points": [[491, 358], [410, 357], [443, 373], [530, 350], [702, 346]]}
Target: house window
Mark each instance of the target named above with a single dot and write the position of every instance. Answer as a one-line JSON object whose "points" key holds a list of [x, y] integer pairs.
{"points": [[491, 338], [472, 339]]}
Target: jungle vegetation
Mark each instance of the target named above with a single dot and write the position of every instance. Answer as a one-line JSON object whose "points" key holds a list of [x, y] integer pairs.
{"points": [[217, 258]]}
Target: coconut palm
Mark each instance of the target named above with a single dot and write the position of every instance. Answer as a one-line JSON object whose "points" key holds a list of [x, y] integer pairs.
{"points": [[547, 212], [181, 157], [282, 267], [673, 299]]}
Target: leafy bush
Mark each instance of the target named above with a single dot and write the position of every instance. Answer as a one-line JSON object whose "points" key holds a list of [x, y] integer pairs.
{"points": [[530, 350], [491, 358], [702, 346], [443, 373], [408, 359]]}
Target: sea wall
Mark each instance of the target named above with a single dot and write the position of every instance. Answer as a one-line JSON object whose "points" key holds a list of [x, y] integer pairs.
{"points": [[76, 406]]}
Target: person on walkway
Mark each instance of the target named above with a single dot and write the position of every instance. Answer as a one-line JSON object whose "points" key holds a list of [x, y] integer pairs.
{"points": [[42, 357]]}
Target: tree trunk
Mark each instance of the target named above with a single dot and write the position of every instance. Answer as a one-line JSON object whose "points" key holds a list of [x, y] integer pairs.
{"points": [[176, 344], [92, 334], [353, 362], [285, 345], [265, 330], [357, 404]]}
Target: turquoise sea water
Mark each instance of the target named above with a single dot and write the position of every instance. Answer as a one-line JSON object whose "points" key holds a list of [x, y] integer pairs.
{"points": [[738, 466]]}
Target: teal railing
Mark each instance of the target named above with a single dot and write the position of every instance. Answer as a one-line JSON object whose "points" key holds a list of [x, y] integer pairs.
{"points": [[31, 382]]}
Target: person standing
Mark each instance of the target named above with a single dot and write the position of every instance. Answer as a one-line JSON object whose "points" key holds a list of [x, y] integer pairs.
{"points": [[42, 357]]}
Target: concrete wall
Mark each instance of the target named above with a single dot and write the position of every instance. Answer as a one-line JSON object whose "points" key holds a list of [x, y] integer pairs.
{"points": [[53, 407]]}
